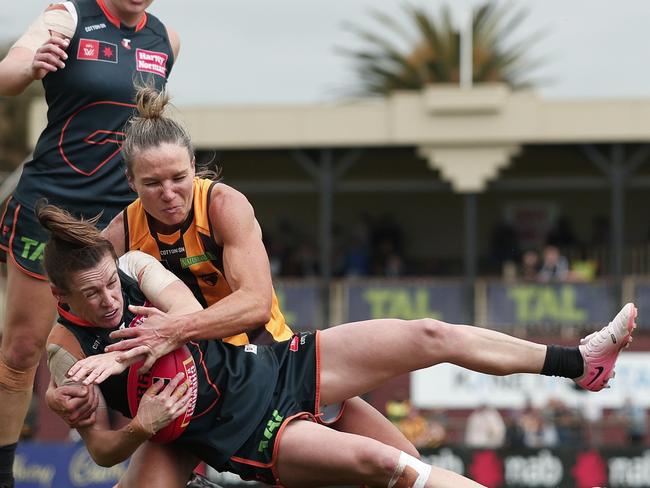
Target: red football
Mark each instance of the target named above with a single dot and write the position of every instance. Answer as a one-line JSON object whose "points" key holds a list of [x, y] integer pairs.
{"points": [[165, 369]]}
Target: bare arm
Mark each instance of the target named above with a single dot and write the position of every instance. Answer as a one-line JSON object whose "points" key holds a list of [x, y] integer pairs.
{"points": [[16, 71], [98, 436], [246, 267], [41, 50], [162, 288], [109, 447], [169, 295], [174, 41], [114, 232], [159, 405]]}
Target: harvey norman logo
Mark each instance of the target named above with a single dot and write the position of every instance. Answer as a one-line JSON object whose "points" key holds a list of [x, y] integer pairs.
{"points": [[151, 62]]}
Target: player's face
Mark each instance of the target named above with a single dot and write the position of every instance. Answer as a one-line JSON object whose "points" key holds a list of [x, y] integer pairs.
{"points": [[96, 294], [163, 178]]}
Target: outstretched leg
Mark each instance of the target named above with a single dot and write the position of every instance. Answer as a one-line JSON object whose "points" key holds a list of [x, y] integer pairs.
{"points": [[313, 455], [358, 357], [359, 417]]}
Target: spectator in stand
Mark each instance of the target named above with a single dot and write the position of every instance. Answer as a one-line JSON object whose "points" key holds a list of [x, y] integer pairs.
{"points": [[569, 423], [422, 431], [529, 266], [514, 431], [635, 420], [356, 260], [538, 429], [485, 428], [555, 267]]}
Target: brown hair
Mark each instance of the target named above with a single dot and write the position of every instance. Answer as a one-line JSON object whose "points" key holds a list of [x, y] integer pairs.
{"points": [[150, 127], [74, 244]]}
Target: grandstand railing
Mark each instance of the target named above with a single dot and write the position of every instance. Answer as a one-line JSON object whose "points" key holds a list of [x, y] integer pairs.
{"points": [[526, 308], [531, 308]]}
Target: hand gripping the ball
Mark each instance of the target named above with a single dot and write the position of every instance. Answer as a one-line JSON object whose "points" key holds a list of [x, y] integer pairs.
{"points": [[160, 405]]}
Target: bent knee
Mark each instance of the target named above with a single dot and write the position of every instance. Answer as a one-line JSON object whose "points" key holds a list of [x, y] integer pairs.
{"points": [[434, 335], [23, 353], [16, 380], [433, 330], [376, 462]]}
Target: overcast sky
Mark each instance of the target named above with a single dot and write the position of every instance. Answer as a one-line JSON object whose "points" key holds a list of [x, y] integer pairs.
{"points": [[258, 51]]}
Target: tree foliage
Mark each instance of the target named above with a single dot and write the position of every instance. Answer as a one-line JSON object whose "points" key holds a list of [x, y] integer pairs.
{"points": [[432, 52]]}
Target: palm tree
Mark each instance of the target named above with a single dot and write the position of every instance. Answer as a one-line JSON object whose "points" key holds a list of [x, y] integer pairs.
{"points": [[432, 54]]}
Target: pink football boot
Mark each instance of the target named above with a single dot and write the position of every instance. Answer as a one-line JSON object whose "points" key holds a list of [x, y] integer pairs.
{"points": [[600, 349]]}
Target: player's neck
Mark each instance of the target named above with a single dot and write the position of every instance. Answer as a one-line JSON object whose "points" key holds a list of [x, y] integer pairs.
{"points": [[126, 18]]}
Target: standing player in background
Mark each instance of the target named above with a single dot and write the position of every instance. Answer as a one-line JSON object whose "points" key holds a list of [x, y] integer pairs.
{"points": [[87, 54]]}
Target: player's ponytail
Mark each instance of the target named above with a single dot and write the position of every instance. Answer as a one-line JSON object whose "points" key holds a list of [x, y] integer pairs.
{"points": [[150, 102], [74, 244], [151, 126]]}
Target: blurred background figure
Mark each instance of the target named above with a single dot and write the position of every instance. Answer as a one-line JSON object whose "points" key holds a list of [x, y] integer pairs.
{"points": [[530, 266], [634, 420], [569, 422], [555, 267], [538, 428], [485, 428]]}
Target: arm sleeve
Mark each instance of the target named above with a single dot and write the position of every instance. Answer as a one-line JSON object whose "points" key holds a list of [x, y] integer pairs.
{"points": [[60, 360], [62, 20], [152, 277]]}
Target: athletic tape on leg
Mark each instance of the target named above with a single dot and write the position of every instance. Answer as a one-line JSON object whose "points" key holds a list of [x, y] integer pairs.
{"points": [[16, 381], [409, 473]]}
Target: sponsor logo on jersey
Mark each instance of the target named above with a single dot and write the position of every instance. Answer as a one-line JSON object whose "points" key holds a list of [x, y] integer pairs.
{"points": [[191, 260], [271, 426], [151, 62], [293, 346], [95, 27], [126, 43], [175, 250], [192, 380], [93, 50], [250, 348]]}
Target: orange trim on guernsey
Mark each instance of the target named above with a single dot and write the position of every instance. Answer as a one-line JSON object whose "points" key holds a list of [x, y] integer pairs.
{"points": [[113, 19], [72, 317], [4, 213], [270, 464]]}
